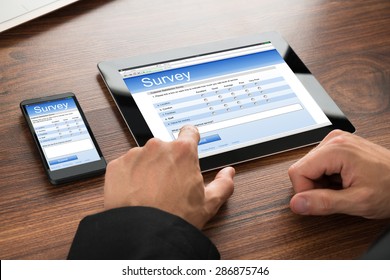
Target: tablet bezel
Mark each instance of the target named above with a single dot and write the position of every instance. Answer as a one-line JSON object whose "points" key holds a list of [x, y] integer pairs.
{"points": [[109, 71]]}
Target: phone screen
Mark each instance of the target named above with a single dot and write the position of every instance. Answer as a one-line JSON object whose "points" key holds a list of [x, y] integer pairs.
{"points": [[62, 133]]}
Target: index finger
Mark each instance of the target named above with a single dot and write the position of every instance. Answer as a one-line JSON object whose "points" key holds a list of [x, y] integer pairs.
{"points": [[189, 133]]}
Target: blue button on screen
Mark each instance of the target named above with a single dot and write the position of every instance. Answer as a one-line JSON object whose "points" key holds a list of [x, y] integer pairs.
{"points": [[209, 139], [62, 160]]}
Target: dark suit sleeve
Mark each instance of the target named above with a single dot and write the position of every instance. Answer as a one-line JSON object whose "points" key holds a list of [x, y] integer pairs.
{"points": [[139, 233], [380, 250]]}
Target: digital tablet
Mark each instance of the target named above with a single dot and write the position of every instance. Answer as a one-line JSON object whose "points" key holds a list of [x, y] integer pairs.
{"points": [[249, 97]]}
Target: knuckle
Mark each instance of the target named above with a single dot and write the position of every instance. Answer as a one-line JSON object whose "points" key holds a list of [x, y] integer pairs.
{"points": [[114, 163], [327, 205], [340, 139], [153, 143], [336, 132], [111, 165], [152, 148], [292, 170], [129, 155]]}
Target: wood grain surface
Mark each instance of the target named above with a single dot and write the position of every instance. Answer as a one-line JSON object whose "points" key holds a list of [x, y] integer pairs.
{"points": [[344, 43]]}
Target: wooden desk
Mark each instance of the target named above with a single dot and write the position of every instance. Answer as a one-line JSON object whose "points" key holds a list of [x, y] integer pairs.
{"points": [[344, 43]]}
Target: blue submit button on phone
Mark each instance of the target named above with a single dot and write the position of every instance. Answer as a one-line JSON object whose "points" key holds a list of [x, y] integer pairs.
{"points": [[62, 160]]}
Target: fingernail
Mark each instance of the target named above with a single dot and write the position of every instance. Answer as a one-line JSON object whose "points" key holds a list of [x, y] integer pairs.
{"points": [[190, 127], [300, 205]]}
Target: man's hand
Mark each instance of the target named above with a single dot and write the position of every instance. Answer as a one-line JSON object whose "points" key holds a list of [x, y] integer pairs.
{"points": [[166, 175], [358, 168]]}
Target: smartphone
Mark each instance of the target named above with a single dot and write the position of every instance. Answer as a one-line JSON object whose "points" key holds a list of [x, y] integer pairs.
{"points": [[65, 142]]}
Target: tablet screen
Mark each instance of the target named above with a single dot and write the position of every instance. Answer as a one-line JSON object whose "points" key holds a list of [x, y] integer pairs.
{"points": [[236, 98]]}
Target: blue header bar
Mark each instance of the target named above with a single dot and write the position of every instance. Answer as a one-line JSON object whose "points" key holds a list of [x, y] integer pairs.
{"points": [[50, 107], [202, 71]]}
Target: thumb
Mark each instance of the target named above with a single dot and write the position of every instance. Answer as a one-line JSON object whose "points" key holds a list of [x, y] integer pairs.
{"points": [[319, 202], [219, 190]]}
